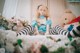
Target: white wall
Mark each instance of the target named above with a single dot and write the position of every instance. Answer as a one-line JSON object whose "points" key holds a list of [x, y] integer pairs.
{"points": [[34, 5], [56, 8], [75, 8]]}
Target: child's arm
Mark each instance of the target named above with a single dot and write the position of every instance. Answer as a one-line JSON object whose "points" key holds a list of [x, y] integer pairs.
{"points": [[48, 24], [34, 24], [47, 30], [36, 28]]}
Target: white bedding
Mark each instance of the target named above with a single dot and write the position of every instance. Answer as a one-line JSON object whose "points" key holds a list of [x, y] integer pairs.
{"points": [[51, 44]]}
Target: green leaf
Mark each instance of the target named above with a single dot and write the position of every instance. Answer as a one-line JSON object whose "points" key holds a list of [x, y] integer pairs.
{"points": [[44, 49], [59, 50], [19, 41], [70, 38]]}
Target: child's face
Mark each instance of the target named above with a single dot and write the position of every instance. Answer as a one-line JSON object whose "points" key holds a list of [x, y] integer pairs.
{"points": [[42, 10]]}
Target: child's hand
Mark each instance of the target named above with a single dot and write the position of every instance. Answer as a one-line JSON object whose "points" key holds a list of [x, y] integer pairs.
{"points": [[47, 30], [47, 33], [36, 33]]}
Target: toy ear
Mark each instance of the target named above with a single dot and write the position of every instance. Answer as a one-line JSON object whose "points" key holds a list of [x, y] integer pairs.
{"points": [[19, 41]]}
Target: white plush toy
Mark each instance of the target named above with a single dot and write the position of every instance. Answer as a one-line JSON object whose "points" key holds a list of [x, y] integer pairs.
{"points": [[8, 39], [2, 38], [2, 50]]}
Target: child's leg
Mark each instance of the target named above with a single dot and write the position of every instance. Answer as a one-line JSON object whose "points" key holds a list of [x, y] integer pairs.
{"points": [[60, 30], [29, 30], [75, 32], [52, 31]]}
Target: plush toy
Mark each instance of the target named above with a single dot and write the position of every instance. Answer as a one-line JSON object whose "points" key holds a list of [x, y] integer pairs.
{"points": [[69, 20], [2, 38], [8, 40], [67, 17], [2, 50], [70, 23], [76, 20]]}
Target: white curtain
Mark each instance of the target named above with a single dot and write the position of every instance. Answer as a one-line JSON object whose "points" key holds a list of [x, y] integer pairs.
{"points": [[24, 10], [9, 9]]}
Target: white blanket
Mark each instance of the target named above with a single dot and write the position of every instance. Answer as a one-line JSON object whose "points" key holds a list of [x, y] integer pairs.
{"points": [[51, 44]]}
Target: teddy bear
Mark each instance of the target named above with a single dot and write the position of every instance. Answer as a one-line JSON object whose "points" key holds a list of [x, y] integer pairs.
{"points": [[70, 25], [8, 40], [73, 23], [68, 20]]}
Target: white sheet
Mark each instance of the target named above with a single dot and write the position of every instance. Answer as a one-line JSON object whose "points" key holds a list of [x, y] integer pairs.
{"points": [[51, 44]]}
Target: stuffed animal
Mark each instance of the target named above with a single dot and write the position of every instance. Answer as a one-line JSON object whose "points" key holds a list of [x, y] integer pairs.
{"points": [[67, 16], [8, 40], [2, 50], [76, 20], [73, 23], [69, 20]]}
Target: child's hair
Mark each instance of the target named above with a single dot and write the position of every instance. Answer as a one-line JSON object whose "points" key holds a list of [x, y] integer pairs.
{"points": [[41, 5], [38, 14]]}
